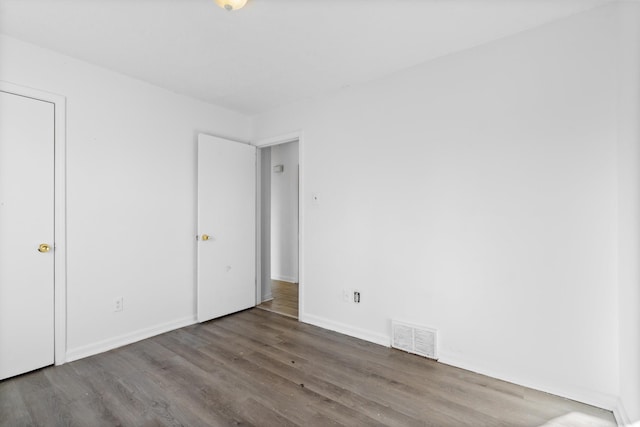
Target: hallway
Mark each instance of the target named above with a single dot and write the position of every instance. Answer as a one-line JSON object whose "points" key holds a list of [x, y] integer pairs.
{"points": [[285, 299]]}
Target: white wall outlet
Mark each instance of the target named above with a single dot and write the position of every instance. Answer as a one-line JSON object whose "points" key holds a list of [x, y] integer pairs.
{"points": [[356, 297], [118, 304]]}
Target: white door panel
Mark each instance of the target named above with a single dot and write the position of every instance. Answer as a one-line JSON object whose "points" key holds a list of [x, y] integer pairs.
{"points": [[226, 215], [26, 222]]}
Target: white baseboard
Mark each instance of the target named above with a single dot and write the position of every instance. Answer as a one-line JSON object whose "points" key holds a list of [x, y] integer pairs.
{"points": [[600, 400], [119, 341], [622, 418], [268, 297], [284, 278], [345, 329]]}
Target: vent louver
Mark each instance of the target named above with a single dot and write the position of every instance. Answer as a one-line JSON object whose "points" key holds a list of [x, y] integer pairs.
{"points": [[414, 339]]}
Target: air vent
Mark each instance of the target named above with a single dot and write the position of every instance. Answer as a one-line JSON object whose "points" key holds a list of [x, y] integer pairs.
{"points": [[414, 339]]}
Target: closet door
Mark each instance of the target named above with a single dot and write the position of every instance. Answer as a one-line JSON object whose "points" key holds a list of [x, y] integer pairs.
{"points": [[26, 234]]}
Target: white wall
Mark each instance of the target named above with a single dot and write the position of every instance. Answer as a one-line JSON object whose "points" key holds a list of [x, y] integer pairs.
{"points": [[131, 188], [475, 194], [629, 207], [284, 213]]}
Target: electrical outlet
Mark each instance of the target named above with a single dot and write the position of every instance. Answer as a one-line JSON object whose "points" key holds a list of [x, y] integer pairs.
{"points": [[346, 295], [118, 304], [356, 297]]}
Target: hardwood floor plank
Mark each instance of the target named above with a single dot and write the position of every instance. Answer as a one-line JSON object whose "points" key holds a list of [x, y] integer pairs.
{"points": [[352, 369], [551, 406], [260, 368], [13, 410], [178, 405], [332, 361], [295, 389], [293, 368], [210, 394], [298, 374], [486, 389]]}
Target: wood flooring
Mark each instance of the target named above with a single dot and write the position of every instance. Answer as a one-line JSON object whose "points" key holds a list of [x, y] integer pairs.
{"points": [[285, 299], [259, 368]]}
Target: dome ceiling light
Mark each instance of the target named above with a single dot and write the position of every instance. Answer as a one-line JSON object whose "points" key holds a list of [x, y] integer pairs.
{"points": [[231, 4]]}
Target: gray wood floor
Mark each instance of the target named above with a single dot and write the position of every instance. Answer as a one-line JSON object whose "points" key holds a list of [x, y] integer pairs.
{"points": [[285, 299], [260, 368]]}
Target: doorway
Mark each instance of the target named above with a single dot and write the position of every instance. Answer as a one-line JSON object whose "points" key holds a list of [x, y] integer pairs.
{"points": [[280, 225]]}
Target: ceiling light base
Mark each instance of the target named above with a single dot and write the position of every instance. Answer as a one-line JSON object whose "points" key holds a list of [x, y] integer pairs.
{"points": [[230, 5]]}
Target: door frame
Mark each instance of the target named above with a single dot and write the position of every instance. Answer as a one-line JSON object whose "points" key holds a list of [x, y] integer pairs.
{"points": [[59, 213], [269, 142]]}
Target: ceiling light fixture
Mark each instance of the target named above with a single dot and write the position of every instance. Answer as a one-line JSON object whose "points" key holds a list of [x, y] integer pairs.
{"points": [[231, 4]]}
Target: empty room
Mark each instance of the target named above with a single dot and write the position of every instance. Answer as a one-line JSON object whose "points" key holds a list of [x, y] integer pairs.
{"points": [[319, 212]]}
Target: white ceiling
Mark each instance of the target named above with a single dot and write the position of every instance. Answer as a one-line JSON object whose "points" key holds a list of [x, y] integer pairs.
{"points": [[272, 52]]}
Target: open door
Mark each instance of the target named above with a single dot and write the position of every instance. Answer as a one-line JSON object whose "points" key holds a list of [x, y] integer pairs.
{"points": [[226, 227]]}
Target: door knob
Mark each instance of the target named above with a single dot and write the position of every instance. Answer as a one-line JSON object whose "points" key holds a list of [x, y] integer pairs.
{"points": [[205, 237], [44, 248]]}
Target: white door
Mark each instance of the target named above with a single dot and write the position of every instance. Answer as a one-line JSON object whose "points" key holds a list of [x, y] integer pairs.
{"points": [[26, 234], [226, 227]]}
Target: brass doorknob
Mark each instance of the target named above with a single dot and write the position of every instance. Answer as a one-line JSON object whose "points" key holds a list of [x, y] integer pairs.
{"points": [[205, 237], [44, 248]]}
